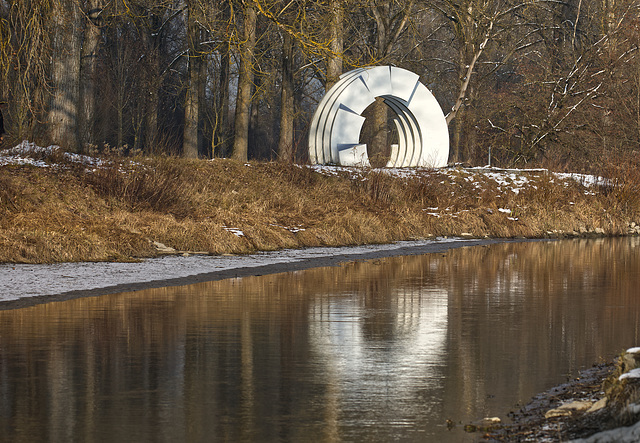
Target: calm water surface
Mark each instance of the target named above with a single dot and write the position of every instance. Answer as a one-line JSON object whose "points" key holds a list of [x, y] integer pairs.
{"points": [[384, 350]]}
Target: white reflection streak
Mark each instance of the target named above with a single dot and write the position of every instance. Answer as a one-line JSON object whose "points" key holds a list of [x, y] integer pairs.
{"points": [[359, 369], [423, 338]]}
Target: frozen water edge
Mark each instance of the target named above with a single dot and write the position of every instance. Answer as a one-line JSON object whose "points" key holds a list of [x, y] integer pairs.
{"points": [[46, 281]]}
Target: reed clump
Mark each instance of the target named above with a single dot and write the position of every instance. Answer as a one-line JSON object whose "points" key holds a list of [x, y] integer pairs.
{"points": [[121, 208]]}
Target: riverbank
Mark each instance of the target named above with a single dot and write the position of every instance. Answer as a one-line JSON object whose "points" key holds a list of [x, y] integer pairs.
{"points": [[534, 422], [57, 207], [601, 405]]}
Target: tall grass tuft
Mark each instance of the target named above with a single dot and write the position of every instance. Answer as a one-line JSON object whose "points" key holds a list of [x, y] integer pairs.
{"points": [[160, 185], [623, 184]]}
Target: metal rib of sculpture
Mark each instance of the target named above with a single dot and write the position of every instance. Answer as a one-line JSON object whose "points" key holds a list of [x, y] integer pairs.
{"points": [[423, 136]]}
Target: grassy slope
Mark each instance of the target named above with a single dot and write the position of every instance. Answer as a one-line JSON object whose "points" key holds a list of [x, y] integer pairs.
{"points": [[67, 213]]}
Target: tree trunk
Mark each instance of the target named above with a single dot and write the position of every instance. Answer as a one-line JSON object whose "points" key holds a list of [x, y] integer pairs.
{"points": [[245, 85], [457, 136], [192, 104], [379, 141], [65, 74], [334, 61], [262, 151], [202, 104], [120, 72], [285, 143], [154, 82], [220, 136], [221, 129], [390, 23], [472, 152], [88, 71]]}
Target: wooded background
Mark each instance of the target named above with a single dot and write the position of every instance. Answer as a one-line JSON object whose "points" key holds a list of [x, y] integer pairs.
{"points": [[545, 82]]}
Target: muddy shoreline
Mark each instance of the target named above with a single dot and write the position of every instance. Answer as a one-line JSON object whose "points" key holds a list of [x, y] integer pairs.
{"points": [[528, 423]]}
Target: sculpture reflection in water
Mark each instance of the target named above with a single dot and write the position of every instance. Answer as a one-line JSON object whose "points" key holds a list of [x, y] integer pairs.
{"points": [[423, 136], [380, 350]]}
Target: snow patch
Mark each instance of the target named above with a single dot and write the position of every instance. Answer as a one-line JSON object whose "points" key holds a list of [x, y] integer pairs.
{"points": [[235, 231], [634, 373], [24, 153]]}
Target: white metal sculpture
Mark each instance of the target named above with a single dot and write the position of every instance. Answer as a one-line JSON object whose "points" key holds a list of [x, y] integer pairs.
{"points": [[423, 136]]}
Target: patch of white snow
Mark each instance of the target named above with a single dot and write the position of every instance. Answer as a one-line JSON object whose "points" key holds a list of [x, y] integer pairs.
{"points": [[634, 373]]}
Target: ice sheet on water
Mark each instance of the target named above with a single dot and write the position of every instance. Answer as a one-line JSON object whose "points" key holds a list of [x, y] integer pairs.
{"points": [[24, 280]]}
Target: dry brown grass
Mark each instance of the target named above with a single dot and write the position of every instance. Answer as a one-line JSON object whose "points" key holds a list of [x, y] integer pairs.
{"points": [[115, 212]]}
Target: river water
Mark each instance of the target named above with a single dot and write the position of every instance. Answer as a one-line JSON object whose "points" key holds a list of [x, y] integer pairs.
{"points": [[380, 350]]}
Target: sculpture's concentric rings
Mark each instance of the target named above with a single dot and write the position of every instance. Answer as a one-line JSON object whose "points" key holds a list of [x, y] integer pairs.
{"points": [[423, 136]]}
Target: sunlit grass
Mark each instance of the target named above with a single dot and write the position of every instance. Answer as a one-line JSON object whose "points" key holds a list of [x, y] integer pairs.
{"points": [[116, 210]]}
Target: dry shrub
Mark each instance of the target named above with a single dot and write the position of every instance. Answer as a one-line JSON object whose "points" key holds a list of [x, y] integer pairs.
{"points": [[426, 189], [620, 395], [623, 186], [543, 193], [290, 173], [160, 186], [264, 237], [378, 187], [52, 155], [191, 235], [8, 194], [41, 238], [349, 228]]}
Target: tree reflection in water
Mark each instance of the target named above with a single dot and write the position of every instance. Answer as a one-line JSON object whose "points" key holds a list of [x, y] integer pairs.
{"points": [[366, 351]]}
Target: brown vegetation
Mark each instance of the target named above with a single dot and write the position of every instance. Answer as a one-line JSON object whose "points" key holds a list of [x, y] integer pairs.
{"points": [[117, 211]]}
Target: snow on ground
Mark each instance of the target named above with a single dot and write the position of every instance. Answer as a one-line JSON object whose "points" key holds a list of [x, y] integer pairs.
{"points": [[27, 153], [235, 231], [514, 180], [24, 280]]}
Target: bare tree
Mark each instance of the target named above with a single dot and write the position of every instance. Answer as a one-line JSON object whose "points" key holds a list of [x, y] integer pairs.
{"points": [[336, 38], [65, 73], [89, 71], [25, 50], [391, 21], [155, 17], [534, 80], [245, 83], [287, 105], [193, 95]]}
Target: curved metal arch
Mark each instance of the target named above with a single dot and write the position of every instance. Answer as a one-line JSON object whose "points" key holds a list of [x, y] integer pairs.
{"points": [[422, 129]]}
